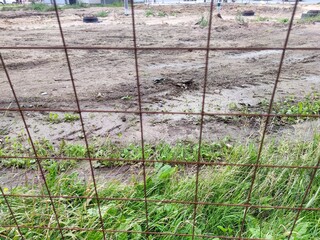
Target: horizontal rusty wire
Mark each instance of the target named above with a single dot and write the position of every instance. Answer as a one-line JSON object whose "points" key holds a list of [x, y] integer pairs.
{"points": [[166, 201], [233, 114], [158, 48], [177, 162], [131, 231], [136, 50]]}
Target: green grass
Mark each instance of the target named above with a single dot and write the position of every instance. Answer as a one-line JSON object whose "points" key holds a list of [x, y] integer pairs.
{"points": [[308, 105], [162, 14], [42, 7], [11, 7], [203, 22], [305, 106], [283, 20], [39, 7], [149, 13], [67, 117], [223, 151], [116, 4], [262, 19], [102, 14], [218, 184]]}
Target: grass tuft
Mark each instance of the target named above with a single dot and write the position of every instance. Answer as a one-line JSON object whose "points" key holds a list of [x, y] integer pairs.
{"points": [[102, 14]]}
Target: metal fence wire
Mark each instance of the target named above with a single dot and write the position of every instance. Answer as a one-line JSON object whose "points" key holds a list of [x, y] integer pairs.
{"points": [[196, 202]]}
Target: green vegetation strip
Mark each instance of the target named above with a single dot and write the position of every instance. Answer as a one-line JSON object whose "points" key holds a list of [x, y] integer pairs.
{"points": [[309, 105], [42, 7], [217, 184]]}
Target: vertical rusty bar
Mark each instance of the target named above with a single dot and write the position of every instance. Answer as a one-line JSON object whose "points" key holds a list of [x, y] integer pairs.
{"points": [[32, 144], [81, 118], [202, 118], [140, 113], [11, 212], [268, 117]]}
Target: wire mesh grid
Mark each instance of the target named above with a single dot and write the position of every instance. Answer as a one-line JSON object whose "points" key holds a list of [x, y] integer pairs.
{"points": [[195, 203]]}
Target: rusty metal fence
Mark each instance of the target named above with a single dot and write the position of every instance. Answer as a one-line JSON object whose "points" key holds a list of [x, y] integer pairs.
{"points": [[195, 203]]}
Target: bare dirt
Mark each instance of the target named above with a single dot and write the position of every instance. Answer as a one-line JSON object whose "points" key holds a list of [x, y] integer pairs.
{"points": [[170, 80]]}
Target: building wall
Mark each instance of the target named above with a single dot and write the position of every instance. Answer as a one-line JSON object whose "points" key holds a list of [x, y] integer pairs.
{"points": [[59, 2], [92, 1]]}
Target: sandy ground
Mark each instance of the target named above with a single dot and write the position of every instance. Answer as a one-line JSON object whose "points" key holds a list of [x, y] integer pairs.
{"points": [[170, 80]]}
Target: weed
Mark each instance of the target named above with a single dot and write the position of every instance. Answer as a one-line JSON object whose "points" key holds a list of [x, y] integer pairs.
{"points": [[102, 14], [12, 7], [39, 7], [240, 19], [262, 19], [309, 105], [150, 13], [116, 4], [54, 118], [203, 22], [162, 14], [68, 117], [283, 20], [126, 98], [306, 106], [233, 106]]}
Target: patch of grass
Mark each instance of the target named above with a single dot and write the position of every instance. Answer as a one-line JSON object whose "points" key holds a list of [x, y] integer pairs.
{"points": [[233, 106], [223, 151], [39, 7], [126, 98], [218, 184], [162, 14], [54, 118], [262, 19], [116, 4], [68, 117], [150, 13], [306, 106], [283, 20], [11, 7], [42, 7], [102, 14], [203, 22], [309, 105]]}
